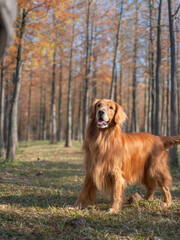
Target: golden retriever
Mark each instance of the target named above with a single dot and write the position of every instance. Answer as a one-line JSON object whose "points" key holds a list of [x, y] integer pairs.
{"points": [[115, 159]]}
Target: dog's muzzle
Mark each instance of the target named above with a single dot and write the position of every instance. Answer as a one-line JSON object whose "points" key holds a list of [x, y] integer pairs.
{"points": [[102, 119]]}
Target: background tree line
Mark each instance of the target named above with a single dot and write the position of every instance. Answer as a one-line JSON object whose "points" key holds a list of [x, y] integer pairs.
{"points": [[67, 53]]}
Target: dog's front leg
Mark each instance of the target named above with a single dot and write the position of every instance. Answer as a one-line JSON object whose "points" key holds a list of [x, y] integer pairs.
{"points": [[117, 194], [88, 193]]}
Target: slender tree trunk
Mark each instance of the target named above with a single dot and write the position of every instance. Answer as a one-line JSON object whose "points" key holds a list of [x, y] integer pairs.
{"points": [[68, 142], [162, 108], [115, 87], [60, 103], [94, 76], [44, 117], [53, 103], [11, 147], [87, 70], [158, 65], [167, 97], [29, 109], [173, 125], [145, 107], [41, 112], [151, 100], [128, 102], [2, 111], [115, 52], [6, 116], [135, 125], [79, 130], [73, 111], [177, 71], [120, 83]]}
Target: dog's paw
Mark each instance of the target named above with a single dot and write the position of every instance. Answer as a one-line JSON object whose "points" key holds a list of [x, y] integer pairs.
{"points": [[112, 210], [69, 207], [165, 205]]}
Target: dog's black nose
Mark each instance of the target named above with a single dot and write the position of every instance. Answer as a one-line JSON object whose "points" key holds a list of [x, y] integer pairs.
{"points": [[101, 113]]}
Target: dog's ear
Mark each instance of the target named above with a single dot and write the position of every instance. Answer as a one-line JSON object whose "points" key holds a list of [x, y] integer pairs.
{"points": [[120, 116], [91, 111]]}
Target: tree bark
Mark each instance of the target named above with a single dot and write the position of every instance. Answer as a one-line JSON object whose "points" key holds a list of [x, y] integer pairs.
{"points": [[60, 103], [151, 84], [94, 77], [135, 125], [162, 108], [29, 109], [79, 130], [11, 146], [6, 117], [53, 103], [87, 70], [2, 111], [68, 142], [173, 123], [44, 116], [158, 65], [120, 82], [115, 52], [177, 71], [167, 97], [41, 112]]}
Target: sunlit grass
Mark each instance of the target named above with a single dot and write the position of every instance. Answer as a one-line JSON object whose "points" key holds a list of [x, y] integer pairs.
{"points": [[45, 179]]}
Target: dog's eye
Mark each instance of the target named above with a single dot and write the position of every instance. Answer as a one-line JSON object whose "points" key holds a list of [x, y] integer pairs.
{"points": [[111, 107], [99, 105]]}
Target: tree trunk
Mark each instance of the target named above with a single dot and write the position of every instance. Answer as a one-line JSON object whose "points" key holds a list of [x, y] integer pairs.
{"points": [[177, 72], [134, 123], [173, 123], [6, 117], [115, 87], [79, 130], [145, 107], [41, 112], [162, 108], [167, 97], [73, 111], [29, 109], [11, 146], [151, 85], [94, 77], [115, 52], [2, 111], [53, 103], [60, 103], [158, 65], [120, 82], [68, 142], [87, 71], [44, 117]]}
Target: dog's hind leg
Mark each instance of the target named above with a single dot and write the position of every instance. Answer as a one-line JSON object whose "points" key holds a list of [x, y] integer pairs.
{"points": [[87, 194], [164, 181], [150, 184]]}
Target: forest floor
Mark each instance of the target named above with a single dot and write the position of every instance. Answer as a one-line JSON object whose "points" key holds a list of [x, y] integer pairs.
{"points": [[35, 194]]}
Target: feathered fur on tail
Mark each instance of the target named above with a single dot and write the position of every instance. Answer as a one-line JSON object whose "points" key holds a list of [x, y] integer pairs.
{"points": [[170, 141]]}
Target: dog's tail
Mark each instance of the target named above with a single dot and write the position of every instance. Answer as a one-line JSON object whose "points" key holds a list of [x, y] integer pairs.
{"points": [[170, 141]]}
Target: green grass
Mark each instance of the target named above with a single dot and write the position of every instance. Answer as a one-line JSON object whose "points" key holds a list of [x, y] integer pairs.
{"points": [[34, 199]]}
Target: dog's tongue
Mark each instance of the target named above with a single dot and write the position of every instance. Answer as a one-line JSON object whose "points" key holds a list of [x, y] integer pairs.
{"points": [[101, 122]]}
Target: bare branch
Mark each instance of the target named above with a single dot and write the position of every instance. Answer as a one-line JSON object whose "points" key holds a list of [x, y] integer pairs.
{"points": [[176, 11]]}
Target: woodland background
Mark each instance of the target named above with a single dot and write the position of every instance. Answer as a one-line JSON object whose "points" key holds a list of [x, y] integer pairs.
{"points": [[66, 53]]}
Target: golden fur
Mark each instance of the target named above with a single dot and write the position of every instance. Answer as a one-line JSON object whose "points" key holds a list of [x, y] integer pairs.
{"points": [[115, 159]]}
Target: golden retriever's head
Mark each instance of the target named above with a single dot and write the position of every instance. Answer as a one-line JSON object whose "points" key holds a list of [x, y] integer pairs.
{"points": [[106, 112]]}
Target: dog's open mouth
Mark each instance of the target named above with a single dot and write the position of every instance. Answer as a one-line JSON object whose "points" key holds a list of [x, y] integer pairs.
{"points": [[101, 123]]}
